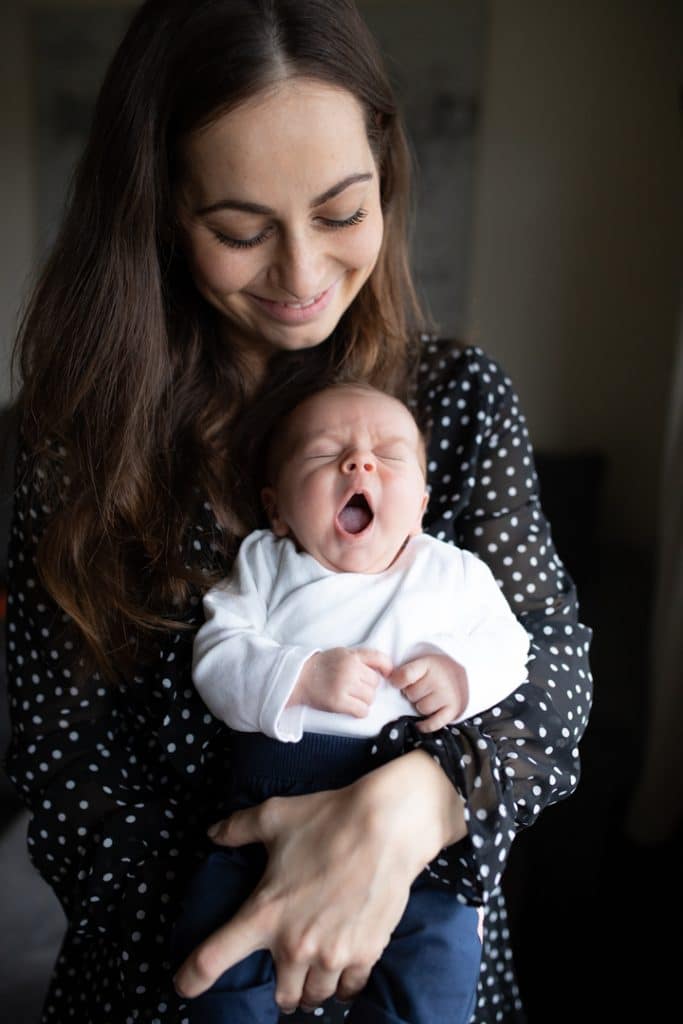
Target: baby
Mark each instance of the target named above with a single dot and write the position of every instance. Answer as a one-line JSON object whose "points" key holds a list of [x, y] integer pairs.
{"points": [[339, 619]]}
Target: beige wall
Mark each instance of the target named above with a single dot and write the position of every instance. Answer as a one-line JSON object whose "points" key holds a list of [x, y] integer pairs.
{"points": [[578, 227], [576, 267]]}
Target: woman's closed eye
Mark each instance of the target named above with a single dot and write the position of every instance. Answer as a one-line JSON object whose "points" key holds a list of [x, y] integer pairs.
{"points": [[248, 243], [348, 222], [241, 243]]}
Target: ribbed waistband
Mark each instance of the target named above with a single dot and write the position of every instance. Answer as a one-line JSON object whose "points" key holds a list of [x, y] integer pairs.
{"points": [[317, 757]]}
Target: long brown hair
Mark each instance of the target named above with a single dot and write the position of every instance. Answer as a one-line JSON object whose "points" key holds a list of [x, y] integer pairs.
{"points": [[129, 400]]}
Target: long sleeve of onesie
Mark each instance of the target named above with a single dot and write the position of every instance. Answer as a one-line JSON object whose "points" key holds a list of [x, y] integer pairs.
{"points": [[486, 637], [243, 675]]}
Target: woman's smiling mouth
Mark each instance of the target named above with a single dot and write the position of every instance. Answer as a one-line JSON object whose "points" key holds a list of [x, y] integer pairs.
{"points": [[296, 312]]}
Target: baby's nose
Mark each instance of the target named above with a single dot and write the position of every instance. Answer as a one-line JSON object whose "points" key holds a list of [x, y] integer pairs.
{"points": [[359, 461]]}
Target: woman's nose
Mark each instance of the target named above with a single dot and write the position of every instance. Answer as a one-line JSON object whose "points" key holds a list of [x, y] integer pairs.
{"points": [[299, 270], [358, 461]]}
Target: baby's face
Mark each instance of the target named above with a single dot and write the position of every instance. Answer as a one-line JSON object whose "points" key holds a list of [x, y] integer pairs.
{"points": [[350, 485]]}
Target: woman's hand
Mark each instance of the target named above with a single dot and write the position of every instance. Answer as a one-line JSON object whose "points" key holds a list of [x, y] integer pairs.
{"points": [[337, 881]]}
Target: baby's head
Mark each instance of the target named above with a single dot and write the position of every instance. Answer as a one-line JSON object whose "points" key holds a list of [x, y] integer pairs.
{"points": [[346, 472]]}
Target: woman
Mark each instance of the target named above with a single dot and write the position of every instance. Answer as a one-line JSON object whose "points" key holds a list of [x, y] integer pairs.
{"points": [[238, 227]]}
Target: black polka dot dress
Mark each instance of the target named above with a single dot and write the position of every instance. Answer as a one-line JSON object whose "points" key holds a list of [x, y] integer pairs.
{"points": [[122, 781]]}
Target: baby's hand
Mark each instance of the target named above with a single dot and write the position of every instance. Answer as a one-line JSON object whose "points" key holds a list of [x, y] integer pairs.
{"points": [[342, 680], [437, 687]]}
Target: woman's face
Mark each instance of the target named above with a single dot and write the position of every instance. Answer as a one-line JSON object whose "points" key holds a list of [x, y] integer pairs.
{"points": [[281, 216]]}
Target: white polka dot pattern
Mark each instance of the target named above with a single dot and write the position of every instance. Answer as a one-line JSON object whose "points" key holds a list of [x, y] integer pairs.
{"points": [[122, 781]]}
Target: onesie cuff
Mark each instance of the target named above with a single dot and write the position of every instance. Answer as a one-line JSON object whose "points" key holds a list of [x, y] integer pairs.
{"points": [[277, 720]]}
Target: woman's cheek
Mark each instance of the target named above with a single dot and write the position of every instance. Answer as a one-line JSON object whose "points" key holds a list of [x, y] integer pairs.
{"points": [[371, 243], [220, 271]]}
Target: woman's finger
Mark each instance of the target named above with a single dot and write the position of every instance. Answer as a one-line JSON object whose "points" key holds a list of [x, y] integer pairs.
{"points": [[290, 978], [320, 985], [257, 824], [352, 981], [246, 932]]}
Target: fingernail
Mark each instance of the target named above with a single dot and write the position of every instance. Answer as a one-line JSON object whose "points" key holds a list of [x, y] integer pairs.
{"points": [[213, 831], [178, 989]]}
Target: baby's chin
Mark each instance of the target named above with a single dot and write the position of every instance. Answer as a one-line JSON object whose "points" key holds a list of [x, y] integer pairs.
{"points": [[359, 560]]}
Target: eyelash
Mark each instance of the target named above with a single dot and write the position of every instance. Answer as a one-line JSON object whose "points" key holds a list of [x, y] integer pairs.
{"points": [[249, 243], [334, 455]]}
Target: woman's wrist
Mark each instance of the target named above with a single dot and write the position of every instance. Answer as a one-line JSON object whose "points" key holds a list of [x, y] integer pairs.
{"points": [[411, 800]]}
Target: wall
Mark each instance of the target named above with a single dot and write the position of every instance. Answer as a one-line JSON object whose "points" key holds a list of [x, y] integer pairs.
{"points": [[16, 192], [577, 269]]}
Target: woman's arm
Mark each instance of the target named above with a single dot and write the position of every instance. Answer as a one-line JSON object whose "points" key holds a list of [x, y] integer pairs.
{"points": [[337, 881], [522, 755]]}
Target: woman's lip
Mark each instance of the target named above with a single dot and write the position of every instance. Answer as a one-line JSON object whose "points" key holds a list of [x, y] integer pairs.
{"points": [[285, 314]]}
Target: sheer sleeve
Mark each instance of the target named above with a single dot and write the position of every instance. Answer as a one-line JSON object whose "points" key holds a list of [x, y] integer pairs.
{"points": [[522, 755], [95, 765]]}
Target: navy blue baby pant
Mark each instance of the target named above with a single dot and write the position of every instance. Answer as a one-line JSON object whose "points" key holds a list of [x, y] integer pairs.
{"points": [[427, 974]]}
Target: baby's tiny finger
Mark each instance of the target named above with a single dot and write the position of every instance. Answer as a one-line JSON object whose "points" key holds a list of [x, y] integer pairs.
{"points": [[357, 707], [430, 704], [407, 674], [416, 691], [368, 679], [436, 721], [365, 691]]}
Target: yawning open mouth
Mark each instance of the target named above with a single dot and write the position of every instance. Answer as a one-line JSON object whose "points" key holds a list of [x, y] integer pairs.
{"points": [[356, 514]]}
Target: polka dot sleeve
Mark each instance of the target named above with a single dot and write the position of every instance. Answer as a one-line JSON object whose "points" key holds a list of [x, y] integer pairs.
{"points": [[520, 756]]}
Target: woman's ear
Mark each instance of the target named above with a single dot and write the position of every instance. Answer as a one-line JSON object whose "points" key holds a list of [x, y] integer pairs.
{"points": [[269, 500]]}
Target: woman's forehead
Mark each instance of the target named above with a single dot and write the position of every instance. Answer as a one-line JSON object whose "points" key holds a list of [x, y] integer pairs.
{"points": [[302, 130]]}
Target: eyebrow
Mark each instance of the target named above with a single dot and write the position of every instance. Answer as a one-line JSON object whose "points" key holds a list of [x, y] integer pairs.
{"points": [[247, 207]]}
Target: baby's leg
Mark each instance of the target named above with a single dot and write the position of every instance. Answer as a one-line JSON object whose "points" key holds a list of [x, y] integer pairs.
{"points": [[428, 973], [244, 994]]}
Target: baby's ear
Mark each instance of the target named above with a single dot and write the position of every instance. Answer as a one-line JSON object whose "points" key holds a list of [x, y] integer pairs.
{"points": [[269, 501]]}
